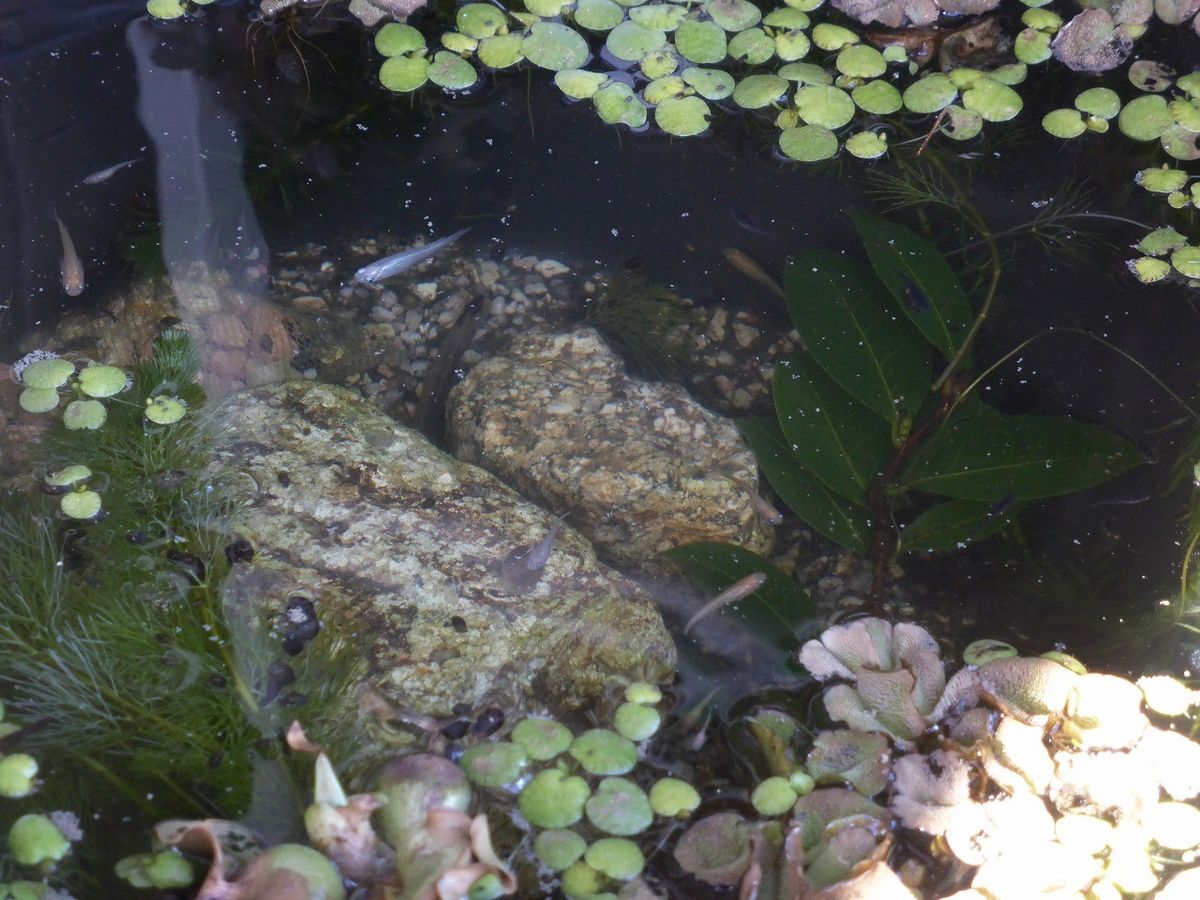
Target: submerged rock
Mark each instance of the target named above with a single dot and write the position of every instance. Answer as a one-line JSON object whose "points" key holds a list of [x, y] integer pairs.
{"points": [[412, 554], [638, 467]]}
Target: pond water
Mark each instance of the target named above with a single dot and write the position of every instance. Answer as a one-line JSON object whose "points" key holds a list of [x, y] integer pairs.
{"points": [[503, 482]]}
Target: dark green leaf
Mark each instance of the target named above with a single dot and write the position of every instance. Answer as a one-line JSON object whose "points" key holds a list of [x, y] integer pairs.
{"points": [[836, 518], [852, 332], [774, 610], [954, 524], [920, 279], [990, 457], [833, 435]]}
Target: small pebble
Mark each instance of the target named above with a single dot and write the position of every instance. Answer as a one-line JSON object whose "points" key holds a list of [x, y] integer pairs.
{"points": [[425, 291], [551, 268], [745, 335], [716, 325], [310, 303]]}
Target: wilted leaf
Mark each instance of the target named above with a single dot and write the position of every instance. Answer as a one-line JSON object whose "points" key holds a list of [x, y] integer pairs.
{"points": [[852, 333], [990, 457], [836, 518]]}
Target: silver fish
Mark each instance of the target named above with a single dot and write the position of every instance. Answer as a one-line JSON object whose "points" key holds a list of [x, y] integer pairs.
{"points": [[393, 265], [69, 265], [535, 561], [105, 174], [739, 590]]}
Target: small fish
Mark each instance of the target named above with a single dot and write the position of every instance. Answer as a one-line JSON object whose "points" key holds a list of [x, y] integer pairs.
{"points": [[751, 269], [915, 298], [397, 263], [739, 590], [765, 510], [105, 174], [745, 220], [1128, 500], [69, 264], [522, 568]]}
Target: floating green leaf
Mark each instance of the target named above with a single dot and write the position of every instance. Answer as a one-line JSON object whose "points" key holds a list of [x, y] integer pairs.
{"points": [[394, 38], [1161, 241], [1145, 118], [830, 107], [47, 374], [1024, 457], [836, 518], [598, 15], [682, 116], [954, 524], [930, 94], [663, 89], [1150, 76], [1032, 46], [733, 15], [86, 415], [1186, 261], [554, 46], [962, 124], [808, 143], [451, 71], [457, 42], [479, 20], [832, 435], [752, 46], [851, 332], [700, 42], [711, 84], [660, 16], [1162, 180], [1181, 143], [658, 64], [790, 45], [861, 61], [1186, 114], [1010, 74], [995, 102], [579, 84], [501, 51], [1064, 123], [877, 97], [617, 104], [787, 18], [770, 613], [630, 41], [805, 73], [1042, 20], [833, 37], [164, 9], [1148, 270], [404, 73], [38, 400], [757, 91], [866, 145], [547, 9], [919, 278], [1099, 101]]}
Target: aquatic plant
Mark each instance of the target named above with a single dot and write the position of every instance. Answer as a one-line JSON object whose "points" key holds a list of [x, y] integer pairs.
{"points": [[865, 430], [645, 323]]}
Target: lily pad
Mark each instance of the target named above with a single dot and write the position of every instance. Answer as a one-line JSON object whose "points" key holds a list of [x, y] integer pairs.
{"points": [[1186, 261], [658, 64], [598, 15], [866, 145], [963, 78], [1148, 270], [833, 37], [604, 752], [962, 124], [805, 73], [1181, 143], [619, 807], [164, 9], [558, 848], [995, 102], [457, 42], [68, 476], [394, 38], [542, 739], [547, 9], [80, 504], [165, 410], [501, 51], [1150, 76], [102, 381], [1186, 114], [1042, 20], [700, 42], [660, 16], [38, 400], [828, 107], [554, 46], [733, 15], [1032, 46], [752, 46], [630, 41], [757, 91], [787, 18], [877, 97], [451, 71], [861, 61], [1064, 123], [404, 73], [711, 84], [617, 104], [84, 415], [682, 116], [495, 764], [930, 94], [479, 20], [1099, 101], [1161, 241], [579, 84], [792, 45], [1162, 180], [47, 374], [1145, 118], [808, 143], [553, 799], [1010, 73], [1190, 84], [620, 858], [664, 89]]}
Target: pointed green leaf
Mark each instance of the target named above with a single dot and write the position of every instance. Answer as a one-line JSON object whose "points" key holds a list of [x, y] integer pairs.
{"points": [[836, 518], [920, 279], [990, 457], [954, 524], [773, 610], [855, 335], [833, 435]]}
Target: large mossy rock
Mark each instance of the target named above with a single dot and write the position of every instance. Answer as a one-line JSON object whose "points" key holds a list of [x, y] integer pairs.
{"points": [[640, 467], [419, 558]]}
